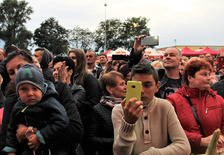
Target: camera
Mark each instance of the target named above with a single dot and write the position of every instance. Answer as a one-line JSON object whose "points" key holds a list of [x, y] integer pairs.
{"points": [[120, 57]]}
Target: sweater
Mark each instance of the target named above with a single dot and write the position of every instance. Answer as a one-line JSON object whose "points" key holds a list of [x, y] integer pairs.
{"points": [[152, 133]]}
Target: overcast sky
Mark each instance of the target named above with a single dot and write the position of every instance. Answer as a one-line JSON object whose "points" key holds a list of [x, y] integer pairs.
{"points": [[190, 22]]}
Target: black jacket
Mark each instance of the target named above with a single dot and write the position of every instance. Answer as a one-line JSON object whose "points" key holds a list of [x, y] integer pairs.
{"points": [[48, 116], [72, 134], [47, 72], [219, 87], [100, 130], [163, 81]]}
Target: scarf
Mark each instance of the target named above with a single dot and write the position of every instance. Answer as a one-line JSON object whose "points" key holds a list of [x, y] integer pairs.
{"points": [[110, 101]]}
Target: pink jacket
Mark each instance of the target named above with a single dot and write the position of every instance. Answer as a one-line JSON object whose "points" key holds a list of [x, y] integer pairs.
{"points": [[210, 110], [1, 116]]}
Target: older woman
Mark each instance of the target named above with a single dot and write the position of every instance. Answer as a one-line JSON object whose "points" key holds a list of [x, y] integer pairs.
{"points": [[100, 131], [199, 108]]}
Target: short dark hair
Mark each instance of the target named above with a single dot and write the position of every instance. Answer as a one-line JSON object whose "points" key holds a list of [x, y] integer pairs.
{"points": [[24, 55], [10, 49], [68, 62], [103, 54], [124, 70], [144, 68]]}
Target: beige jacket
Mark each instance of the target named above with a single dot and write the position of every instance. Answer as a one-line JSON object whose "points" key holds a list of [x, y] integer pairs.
{"points": [[151, 133]]}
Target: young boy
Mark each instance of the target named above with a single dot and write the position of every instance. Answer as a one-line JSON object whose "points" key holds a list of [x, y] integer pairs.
{"points": [[38, 109], [149, 126]]}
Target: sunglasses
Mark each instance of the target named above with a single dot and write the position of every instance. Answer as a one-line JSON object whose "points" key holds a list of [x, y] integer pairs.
{"points": [[90, 56], [73, 57]]}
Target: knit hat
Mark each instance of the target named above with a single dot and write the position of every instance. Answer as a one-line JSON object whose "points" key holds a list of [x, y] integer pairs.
{"points": [[29, 73]]}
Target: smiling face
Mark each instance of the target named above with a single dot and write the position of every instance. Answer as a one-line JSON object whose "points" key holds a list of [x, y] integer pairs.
{"points": [[29, 94], [171, 58], [149, 86], [119, 90], [201, 80]]}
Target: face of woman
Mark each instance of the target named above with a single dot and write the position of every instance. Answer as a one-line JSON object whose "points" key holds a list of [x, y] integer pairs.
{"points": [[119, 90], [73, 57], [13, 66], [201, 80]]}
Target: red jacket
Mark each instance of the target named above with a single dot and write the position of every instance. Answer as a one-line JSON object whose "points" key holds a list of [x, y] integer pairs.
{"points": [[210, 110]]}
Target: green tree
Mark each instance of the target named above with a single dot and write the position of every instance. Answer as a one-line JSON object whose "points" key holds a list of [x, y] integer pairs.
{"points": [[52, 36], [81, 38], [120, 34], [13, 15], [132, 27], [113, 34]]}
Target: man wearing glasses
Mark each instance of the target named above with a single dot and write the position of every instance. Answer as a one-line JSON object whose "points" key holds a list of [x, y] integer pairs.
{"points": [[92, 67]]}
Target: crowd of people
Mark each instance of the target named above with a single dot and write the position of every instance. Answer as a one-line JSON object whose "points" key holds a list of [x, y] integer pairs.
{"points": [[75, 104]]}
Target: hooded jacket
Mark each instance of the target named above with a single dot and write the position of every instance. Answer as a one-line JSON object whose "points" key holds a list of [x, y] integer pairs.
{"points": [[209, 108], [48, 116], [47, 72]]}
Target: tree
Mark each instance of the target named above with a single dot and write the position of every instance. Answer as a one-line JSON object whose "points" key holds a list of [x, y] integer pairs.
{"points": [[52, 36], [13, 16], [113, 29], [132, 27], [120, 34], [82, 39]]}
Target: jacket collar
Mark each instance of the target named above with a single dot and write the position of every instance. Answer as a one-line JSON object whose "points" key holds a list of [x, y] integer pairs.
{"points": [[195, 92]]}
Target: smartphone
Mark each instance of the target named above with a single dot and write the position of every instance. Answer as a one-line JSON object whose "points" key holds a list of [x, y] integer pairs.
{"points": [[150, 41], [134, 89], [120, 57], [220, 62]]}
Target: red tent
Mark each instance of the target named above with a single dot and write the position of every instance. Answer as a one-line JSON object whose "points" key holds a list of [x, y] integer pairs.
{"points": [[209, 50], [188, 52]]}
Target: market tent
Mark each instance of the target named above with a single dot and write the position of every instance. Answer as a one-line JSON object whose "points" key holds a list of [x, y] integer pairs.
{"points": [[153, 53], [119, 51], [188, 52], [208, 50], [106, 52]]}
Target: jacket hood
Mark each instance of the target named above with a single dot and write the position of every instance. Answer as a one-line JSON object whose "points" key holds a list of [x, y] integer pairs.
{"points": [[50, 90], [46, 59], [194, 92]]}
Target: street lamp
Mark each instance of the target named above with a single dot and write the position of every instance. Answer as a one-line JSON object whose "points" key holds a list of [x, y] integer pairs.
{"points": [[105, 45]]}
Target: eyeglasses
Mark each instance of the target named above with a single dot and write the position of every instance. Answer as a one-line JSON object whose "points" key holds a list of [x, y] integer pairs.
{"points": [[90, 56], [73, 57]]}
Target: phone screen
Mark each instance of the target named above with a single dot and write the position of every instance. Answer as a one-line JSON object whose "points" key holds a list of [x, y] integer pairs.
{"points": [[150, 41]]}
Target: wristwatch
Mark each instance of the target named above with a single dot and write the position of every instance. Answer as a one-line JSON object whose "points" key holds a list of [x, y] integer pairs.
{"points": [[29, 131]]}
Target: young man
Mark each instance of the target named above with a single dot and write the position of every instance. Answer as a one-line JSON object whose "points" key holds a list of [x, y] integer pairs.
{"points": [[149, 126], [170, 78], [45, 57], [103, 60], [92, 67]]}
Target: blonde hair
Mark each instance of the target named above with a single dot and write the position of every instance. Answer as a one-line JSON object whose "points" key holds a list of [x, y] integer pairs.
{"points": [[157, 63]]}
